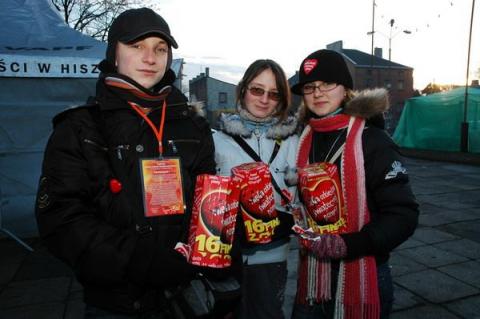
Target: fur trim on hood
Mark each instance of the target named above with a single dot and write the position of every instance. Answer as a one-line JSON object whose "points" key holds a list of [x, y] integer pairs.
{"points": [[232, 124], [365, 104], [198, 107]]}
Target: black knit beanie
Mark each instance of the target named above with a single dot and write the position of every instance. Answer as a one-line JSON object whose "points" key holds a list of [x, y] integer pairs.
{"points": [[323, 65], [131, 25]]}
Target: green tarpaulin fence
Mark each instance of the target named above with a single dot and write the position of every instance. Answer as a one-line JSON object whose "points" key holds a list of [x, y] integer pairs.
{"points": [[434, 121]]}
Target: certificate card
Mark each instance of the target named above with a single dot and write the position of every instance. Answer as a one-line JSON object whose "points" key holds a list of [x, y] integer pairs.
{"points": [[162, 187]]}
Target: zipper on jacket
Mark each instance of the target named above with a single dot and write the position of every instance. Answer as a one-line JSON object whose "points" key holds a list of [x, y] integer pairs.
{"points": [[86, 140], [119, 149]]}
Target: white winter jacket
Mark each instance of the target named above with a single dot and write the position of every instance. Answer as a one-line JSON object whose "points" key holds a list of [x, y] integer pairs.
{"points": [[229, 154]]}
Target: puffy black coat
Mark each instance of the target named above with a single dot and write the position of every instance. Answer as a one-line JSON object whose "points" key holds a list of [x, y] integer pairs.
{"points": [[120, 257]]}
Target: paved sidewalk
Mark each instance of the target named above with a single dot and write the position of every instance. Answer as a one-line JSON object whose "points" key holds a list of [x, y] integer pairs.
{"points": [[436, 272]]}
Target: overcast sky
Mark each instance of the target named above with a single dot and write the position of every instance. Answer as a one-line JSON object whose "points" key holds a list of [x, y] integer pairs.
{"points": [[227, 35]]}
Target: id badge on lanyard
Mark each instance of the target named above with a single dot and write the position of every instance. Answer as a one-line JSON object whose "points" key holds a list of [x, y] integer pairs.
{"points": [[161, 177], [162, 187]]}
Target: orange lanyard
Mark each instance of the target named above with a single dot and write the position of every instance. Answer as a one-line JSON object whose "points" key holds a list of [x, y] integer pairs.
{"points": [[158, 133]]}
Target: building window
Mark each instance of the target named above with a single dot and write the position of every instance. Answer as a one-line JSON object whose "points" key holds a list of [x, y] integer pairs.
{"points": [[400, 85], [369, 72], [387, 84], [222, 97], [369, 83]]}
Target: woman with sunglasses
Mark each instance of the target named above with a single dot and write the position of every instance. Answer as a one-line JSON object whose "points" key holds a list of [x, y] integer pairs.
{"points": [[263, 124], [343, 270]]}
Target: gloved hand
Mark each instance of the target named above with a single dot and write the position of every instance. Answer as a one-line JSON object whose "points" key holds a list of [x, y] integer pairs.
{"points": [[325, 246], [169, 269]]}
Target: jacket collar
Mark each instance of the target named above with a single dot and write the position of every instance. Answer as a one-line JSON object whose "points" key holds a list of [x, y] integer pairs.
{"points": [[233, 124], [177, 103]]}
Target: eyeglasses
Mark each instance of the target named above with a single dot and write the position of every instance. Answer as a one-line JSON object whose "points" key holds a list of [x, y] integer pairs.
{"points": [[324, 87], [256, 91]]}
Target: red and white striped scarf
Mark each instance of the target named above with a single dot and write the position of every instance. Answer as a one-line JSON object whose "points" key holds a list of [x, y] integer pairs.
{"points": [[357, 288]]}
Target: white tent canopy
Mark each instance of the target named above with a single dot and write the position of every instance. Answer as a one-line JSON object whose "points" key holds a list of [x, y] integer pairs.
{"points": [[45, 67], [36, 42]]}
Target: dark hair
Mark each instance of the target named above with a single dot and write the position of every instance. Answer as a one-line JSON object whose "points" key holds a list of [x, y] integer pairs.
{"points": [[253, 71]]}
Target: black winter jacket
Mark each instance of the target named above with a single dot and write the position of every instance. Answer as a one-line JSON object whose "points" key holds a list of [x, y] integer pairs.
{"points": [[120, 257]]}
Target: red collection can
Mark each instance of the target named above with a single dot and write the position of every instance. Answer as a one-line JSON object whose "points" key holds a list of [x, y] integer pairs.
{"points": [[213, 220], [321, 191], [257, 201]]}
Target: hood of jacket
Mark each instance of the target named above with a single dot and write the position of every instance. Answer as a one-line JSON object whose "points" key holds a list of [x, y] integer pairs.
{"points": [[233, 124], [367, 104]]}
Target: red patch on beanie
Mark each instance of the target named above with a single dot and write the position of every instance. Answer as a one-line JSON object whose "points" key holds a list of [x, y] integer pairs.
{"points": [[309, 65]]}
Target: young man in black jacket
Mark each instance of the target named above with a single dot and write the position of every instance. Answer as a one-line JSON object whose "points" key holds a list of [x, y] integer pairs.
{"points": [[118, 175]]}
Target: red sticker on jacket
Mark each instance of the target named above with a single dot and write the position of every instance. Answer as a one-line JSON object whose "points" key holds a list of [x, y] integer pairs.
{"points": [[309, 65], [115, 186]]}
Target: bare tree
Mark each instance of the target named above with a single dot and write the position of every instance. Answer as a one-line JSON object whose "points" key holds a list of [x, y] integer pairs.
{"points": [[92, 17]]}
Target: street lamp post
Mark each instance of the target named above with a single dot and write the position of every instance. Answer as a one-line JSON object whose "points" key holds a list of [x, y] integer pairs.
{"points": [[464, 126], [392, 21]]}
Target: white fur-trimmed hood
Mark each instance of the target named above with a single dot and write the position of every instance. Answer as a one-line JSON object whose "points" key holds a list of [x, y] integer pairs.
{"points": [[232, 124]]}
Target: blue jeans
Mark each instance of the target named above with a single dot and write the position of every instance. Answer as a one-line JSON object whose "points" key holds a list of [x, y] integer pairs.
{"points": [[263, 291], [327, 309]]}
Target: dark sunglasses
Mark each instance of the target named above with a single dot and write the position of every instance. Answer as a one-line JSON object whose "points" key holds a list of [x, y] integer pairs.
{"points": [[256, 91]]}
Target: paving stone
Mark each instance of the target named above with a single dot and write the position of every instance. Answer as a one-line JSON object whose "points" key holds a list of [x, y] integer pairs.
{"points": [[461, 199], [467, 308], [426, 312], [431, 256], [434, 188], [426, 174], [430, 209], [465, 182], [434, 220], [468, 272], [23, 293], [468, 229], [41, 311], [435, 286], [410, 243], [430, 235], [401, 265], [404, 299], [462, 247], [447, 201], [463, 169], [447, 217]]}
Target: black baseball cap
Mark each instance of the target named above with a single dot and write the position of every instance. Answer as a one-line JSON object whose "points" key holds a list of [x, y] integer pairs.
{"points": [[133, 24]]}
